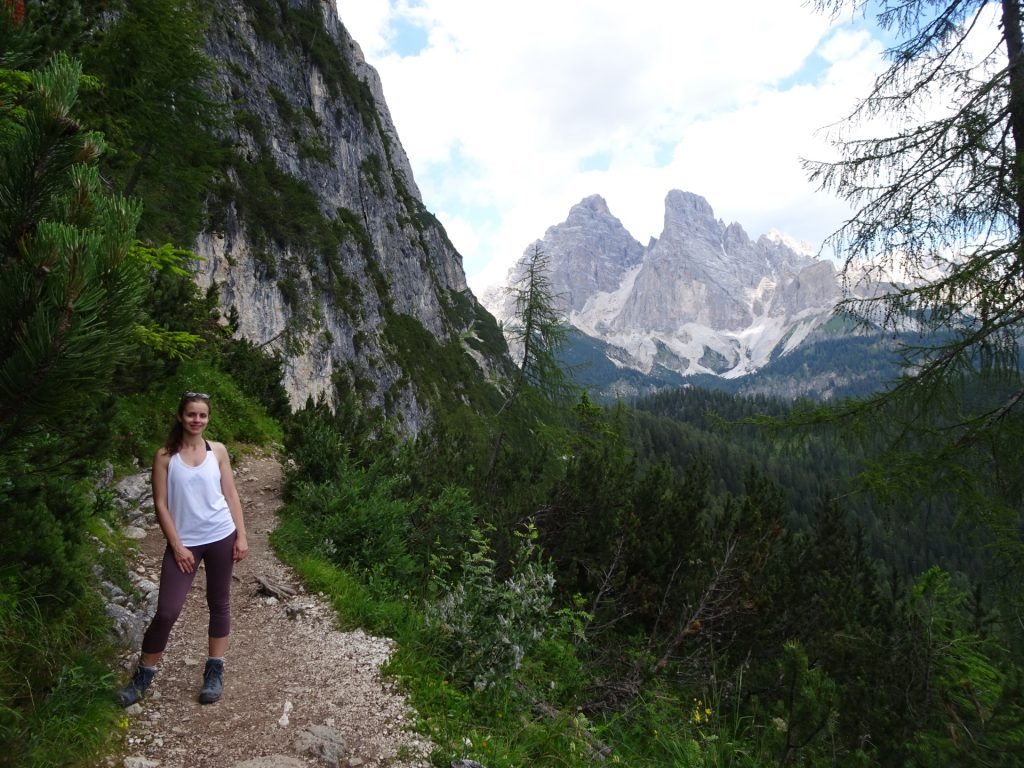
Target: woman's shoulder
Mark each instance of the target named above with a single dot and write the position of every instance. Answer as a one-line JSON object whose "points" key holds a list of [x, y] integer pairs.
{"points": [[219, 449], [162, 460]]}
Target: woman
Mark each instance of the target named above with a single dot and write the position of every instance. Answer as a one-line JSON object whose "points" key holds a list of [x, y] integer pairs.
{"points": [[200, 514]]}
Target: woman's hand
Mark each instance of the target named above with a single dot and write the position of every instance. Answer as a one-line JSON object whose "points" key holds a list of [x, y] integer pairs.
{"points": [[184, 558], [241, 548]]}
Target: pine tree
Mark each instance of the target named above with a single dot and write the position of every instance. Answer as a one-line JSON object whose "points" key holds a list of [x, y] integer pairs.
{"points": [[69, 287], [537, 331], [940, 197], [535, 334]]}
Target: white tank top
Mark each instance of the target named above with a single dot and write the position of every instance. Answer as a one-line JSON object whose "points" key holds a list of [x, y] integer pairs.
{"points": [[198, 508]]}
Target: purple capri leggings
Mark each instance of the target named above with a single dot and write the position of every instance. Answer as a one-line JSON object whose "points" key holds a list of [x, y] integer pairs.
{"points": [[174, 586]]}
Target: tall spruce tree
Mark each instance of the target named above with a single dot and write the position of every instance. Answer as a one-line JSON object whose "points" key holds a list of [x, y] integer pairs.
{"points": [[535, 336], [940, 197], [537, 332]]}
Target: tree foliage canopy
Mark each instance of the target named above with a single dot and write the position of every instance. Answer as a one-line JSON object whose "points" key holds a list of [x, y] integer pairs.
{"points": [[941, 198], [71, 288], [933, 162], [537, 332]]}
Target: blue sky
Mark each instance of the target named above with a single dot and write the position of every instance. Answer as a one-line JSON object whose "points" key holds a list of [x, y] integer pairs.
{"points": [[513, 112]]}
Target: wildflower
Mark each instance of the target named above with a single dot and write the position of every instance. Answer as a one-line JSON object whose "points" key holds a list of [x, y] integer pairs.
{"points": [[700, 713]]}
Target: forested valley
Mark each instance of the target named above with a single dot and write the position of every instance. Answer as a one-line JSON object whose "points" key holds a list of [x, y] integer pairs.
{"points": [[691, 579]]}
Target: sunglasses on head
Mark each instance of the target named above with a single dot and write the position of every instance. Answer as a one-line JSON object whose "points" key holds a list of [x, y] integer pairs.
{"points": [[192, 395]]}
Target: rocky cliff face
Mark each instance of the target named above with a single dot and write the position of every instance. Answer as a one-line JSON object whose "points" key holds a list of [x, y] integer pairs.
{"points": [[320, 247], [701, 298]]}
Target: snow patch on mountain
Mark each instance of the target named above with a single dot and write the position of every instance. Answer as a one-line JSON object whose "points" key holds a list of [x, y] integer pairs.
{"points": [[801, 247]]}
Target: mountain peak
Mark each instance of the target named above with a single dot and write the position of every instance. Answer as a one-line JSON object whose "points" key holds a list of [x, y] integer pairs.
{"points": [[688, 202], [593, 204], [798, 246], [589, 254], [702, 298], [687, 214]]}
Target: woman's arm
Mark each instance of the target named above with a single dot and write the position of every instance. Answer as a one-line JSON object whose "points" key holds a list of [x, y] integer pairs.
{"points": [[182, 555], [227, 486]]}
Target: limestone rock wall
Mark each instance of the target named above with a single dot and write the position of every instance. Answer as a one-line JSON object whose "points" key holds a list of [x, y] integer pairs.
{"points": [[318, 235]]}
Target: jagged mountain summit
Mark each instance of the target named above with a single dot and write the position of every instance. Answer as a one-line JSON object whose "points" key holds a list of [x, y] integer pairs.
{"points": [[703, 298]]}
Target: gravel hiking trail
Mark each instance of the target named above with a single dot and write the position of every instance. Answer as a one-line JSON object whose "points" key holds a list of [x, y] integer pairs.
{"points": [[297, 691]]}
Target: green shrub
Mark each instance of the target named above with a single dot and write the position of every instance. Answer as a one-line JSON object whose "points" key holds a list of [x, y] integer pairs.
{"points": [[315, 443], [43, 524], [281, 208], [284, 106], [249, 122], [258, 374], [487, 624], [55, 653], [143, 419], [441, 526], [360, 524]]}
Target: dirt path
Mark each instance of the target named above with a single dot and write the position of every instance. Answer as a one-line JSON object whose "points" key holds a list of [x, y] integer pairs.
{"points": [[297, 691]]}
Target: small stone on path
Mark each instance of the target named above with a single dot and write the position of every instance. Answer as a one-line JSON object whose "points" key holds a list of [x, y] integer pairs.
{"points": [[283, 721], [324, 743], [271, 761]]}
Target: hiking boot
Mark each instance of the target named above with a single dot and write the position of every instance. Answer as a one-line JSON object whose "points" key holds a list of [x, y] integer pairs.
{"points": [[135, 687], [213, 681]]}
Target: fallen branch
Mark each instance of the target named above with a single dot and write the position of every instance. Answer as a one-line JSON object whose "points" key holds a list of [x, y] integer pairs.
{"points": [[267, 587]]}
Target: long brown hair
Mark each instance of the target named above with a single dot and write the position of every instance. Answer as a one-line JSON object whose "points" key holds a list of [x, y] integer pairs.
{"points": [[177, 433]]}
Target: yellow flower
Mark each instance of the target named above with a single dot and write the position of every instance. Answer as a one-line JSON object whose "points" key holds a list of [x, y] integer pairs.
{"points": [[700, 712]]}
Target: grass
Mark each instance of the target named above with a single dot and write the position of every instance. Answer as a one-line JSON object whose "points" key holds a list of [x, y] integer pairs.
{"points": [[56, 703]]}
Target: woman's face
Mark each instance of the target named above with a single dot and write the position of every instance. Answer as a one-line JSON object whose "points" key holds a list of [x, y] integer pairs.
{"points": [[194, 416]]}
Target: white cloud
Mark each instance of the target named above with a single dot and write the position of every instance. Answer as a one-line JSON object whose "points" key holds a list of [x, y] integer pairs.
{"points": [[508, 104], [367, 21]]}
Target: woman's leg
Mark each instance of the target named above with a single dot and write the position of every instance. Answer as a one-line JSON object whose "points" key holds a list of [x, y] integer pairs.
{"points": [[174, 586], [220, 562]]}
